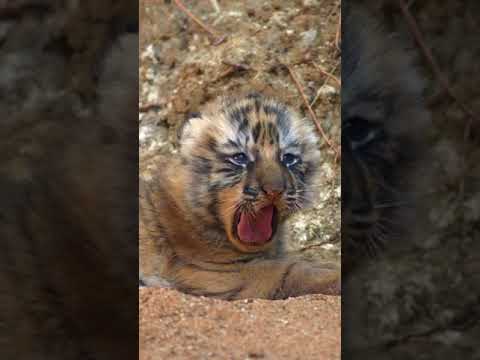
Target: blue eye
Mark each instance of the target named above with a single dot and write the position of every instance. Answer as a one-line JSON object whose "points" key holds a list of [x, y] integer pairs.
{"points": [[290, 160], [239, 159]]}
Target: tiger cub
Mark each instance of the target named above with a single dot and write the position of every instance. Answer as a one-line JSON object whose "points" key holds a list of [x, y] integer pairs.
{"points": [[211, 218], [384, 127]]}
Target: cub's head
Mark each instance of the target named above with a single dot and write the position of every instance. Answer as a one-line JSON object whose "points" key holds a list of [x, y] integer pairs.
{"points": [[251, 162], [384, 126]]}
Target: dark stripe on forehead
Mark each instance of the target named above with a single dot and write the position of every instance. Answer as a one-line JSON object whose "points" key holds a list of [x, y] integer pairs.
{"points": [[256, 131], [237, 116], [273, 134], [282, 116], [254, 95], [244, 125], [257, 100], [271, 109], [232, 143]]}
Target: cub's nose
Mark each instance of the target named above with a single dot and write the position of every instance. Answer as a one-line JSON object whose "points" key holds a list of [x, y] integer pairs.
{"points": [[271, 179], [273, 190]]}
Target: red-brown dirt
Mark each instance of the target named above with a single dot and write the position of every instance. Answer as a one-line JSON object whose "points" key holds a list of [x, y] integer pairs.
{"points": [[178, 326]]}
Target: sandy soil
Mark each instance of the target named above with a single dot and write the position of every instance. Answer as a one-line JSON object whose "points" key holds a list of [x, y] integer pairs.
{"points": [[178, 326]]}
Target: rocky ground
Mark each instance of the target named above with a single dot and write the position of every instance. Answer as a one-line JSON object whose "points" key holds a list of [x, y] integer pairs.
{"points": [[181, 69], [423, 302]]}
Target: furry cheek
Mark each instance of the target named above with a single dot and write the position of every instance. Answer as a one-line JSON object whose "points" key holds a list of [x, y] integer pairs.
{"points": [[228, 201]]}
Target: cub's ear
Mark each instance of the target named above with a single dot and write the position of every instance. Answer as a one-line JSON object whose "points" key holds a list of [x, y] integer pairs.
{"points": [[185, 127]]}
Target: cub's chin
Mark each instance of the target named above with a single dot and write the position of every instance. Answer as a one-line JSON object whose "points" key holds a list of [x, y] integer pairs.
{"points": [[254, 232]]}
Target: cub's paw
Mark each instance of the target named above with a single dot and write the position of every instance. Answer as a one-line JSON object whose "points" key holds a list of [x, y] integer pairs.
{"points": [[304, 278]]}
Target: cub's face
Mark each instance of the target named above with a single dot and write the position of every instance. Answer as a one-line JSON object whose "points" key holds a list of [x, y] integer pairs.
{"points": [[383, 128], [251, 163]]}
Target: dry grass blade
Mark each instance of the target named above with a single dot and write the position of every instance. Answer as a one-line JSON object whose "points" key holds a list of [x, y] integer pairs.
{"points": [[312, 113], [338, 34], [427, 53], [327, 74], [232, 68], [217, 39], [148, 107], [444, 83]]}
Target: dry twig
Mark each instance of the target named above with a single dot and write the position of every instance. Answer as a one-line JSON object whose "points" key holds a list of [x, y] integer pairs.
{"points": [[241, 67], [338, 33], [312, 113], [216, 38], [148, 107], [441, 78], [328, 74], [232, 68]]}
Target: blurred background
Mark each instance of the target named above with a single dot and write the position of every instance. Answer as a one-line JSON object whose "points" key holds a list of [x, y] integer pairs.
{"points": [[423, 302]]}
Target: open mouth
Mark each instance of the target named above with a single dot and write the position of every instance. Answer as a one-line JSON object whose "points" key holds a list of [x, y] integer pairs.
{"points": [[256, 229]]}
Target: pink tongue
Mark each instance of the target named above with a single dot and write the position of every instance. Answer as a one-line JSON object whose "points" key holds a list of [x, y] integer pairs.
{"points": [[258, 229]]}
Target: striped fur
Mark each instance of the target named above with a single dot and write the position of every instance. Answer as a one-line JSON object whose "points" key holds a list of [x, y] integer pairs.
{"points": [[191, 205]]}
